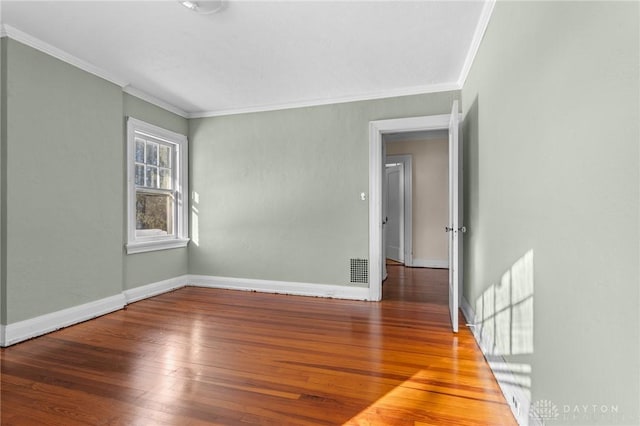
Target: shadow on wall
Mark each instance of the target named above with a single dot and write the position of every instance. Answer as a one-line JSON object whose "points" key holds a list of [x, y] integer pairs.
{"points": [[504, 326]]}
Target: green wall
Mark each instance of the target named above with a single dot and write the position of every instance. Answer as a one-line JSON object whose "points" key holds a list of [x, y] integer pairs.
{"points": [[276, 195], [145, 268], [64, 185], [63, 218], [552, 166]]}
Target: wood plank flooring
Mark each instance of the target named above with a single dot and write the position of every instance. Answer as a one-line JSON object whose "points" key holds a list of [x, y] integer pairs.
{"points": [[200, 356]]}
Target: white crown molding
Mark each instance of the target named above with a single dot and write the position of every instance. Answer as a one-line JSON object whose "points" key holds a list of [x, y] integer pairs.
{"points": [[416, 90], [31, 41], [281, 287], [33, 327], [483, 23], [155, 101], [60, 54]]}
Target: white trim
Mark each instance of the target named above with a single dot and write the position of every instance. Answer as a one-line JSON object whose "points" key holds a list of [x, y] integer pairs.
{"points": [[146, 246], [417, 90], [431, 263], [154, 289], [42, 46], [133, 91], [34, 327], [396, 253], [467, 312], [31, 41], [280, 287], [60, 54], [180, 239], [407, 162], [27, 329], [376, 130], [505, 378], [481, 28]]}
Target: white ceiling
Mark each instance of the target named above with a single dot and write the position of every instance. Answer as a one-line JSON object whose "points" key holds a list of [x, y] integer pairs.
{"points": [[261, 55]]}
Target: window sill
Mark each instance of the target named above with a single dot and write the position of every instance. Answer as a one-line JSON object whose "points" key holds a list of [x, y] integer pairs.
{"points": [[146, 246]]}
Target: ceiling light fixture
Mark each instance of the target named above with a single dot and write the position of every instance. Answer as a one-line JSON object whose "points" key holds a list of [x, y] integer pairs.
{"points": [[203, 7]]}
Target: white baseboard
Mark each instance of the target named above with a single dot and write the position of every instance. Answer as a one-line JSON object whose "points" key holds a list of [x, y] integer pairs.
{"points": [[430, 263], [281, 287], [154, 289], [33, 327], [27, 329], [502, 371]]}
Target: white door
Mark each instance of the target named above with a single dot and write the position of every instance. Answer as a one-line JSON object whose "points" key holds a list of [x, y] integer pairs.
{"points": [[455, 227], [394, 227], [383, 257]]}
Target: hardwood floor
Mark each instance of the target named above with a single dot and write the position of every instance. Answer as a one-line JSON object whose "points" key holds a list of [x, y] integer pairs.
{"points": [[200, 356]]}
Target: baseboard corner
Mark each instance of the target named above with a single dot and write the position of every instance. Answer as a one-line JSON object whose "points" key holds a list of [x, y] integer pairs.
{"points": [[154, 289]]}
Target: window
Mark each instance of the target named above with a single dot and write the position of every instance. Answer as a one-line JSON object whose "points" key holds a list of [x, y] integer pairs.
{"points": [[157, 184]]}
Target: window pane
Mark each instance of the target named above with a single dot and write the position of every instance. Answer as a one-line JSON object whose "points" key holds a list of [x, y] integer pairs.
{"points": [[139, 151], [165, 178], [165, 156], [151, 180], [139, 175], [154, 214], [152, 154]]}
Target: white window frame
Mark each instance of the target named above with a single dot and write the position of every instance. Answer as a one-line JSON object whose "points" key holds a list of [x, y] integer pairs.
{"points": [[180, 237]]}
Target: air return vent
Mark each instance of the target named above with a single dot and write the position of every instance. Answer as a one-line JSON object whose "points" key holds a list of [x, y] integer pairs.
{"points": [[360, 271]]}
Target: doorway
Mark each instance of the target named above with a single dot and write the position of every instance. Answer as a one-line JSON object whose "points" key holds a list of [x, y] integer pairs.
{"points": [[377, 195], [424, 198], [394, 223]]}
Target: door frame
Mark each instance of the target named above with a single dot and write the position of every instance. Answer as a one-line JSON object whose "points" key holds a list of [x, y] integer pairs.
{"points": [[401, 206], [377, 129], [407, 162]]}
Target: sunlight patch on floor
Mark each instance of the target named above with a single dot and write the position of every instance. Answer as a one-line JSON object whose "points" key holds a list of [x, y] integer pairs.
{"points": [[432, 398]]}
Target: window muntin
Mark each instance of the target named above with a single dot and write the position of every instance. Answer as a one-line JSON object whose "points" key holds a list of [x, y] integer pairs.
{"points": [[157, 175], [155, 194]]}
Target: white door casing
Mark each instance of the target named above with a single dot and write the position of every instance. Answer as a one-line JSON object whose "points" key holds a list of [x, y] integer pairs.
{"points": [[407, 163], [454, 228], [376, 159], [394, 216], [383, 189]]}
